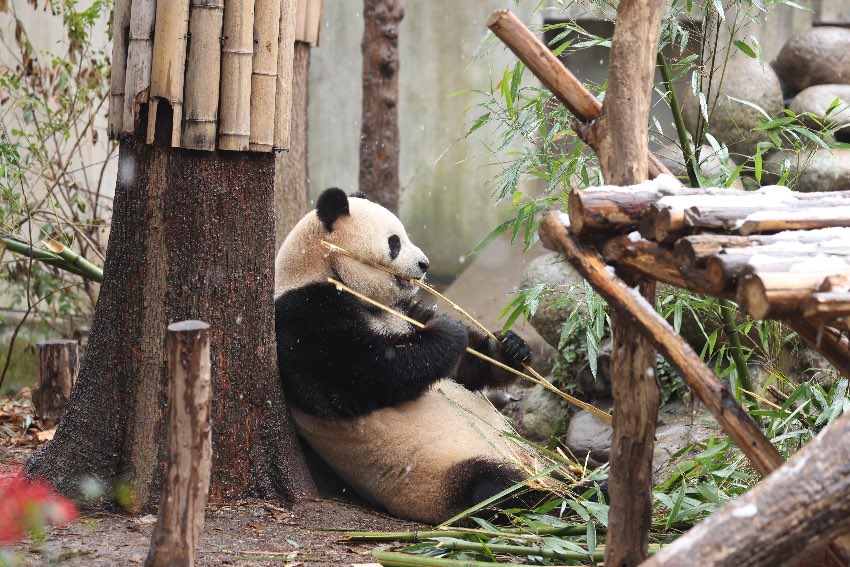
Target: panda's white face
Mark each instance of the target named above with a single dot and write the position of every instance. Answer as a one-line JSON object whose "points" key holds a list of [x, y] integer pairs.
{"points": [[367, 230], [375, 235]]}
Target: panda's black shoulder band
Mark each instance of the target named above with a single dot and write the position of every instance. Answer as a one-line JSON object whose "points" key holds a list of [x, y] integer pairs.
{"points": [[332, 204]]}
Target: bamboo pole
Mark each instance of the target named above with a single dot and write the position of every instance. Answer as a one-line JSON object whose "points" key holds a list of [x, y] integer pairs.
{"points": [[734, 420], [264, 69], [308, 22], [554, 76], [168, 64], [203, 72], [284, 81], [236, 62], [71, 258], [184, 494], [118, 76], [139, 53]]}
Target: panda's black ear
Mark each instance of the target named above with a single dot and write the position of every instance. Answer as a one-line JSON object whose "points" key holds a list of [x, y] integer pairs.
{"points": [[359, 195], [332, 204]]}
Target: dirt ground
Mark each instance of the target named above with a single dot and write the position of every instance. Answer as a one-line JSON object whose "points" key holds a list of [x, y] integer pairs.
{"points": [[249, 533]]}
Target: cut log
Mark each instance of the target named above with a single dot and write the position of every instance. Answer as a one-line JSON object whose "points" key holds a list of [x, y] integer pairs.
{"points": [[264, 74], [827, 304], [776, 295], [203, 71], [800, 507], [184, 494], [286, 77], [58, 366], [139, 52], [804, 219], [554, 76], [694, 251], [118, 75], [734, 420], [237, 54], [168, 64]]}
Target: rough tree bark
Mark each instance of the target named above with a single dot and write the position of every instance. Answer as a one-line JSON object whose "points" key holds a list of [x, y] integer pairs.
{"points": [[292, 173], [379, 137], [190, 240], [622, 146]]}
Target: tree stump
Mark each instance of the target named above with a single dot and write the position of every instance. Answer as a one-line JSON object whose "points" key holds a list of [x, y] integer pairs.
{"points": [[58, 365], [185, 491]]}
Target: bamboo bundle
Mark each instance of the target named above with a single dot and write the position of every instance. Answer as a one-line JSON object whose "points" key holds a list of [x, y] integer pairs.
{"points": [[168, 64], [308, 22], [236, 61], [118, 78], [203, 70], [138, 73], [267, 36], [283, 90]]}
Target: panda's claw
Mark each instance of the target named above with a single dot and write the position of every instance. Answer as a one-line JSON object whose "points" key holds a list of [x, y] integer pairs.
{"points": [[422, 313], [515, 347]]}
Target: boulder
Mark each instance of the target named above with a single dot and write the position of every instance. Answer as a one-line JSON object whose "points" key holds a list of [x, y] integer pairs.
{"points": [[588, 433], [598, 386], [679, 426], [819, 170], [732, 122], [816, 56], [554, 272], [542, 414], [710, 164], [817, 99]]}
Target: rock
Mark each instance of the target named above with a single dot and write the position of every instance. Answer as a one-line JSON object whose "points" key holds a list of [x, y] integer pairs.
{"points": [[588, 433], [710, 164], [678, 427], [816, 56], [820, 170], [732, 122], [817, 99], [543, 414], [551, 270]]}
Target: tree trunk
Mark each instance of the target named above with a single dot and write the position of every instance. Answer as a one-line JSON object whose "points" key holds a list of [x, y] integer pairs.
{"points": [[622, 147], [292, 173], [379, 138], [190, 240]]}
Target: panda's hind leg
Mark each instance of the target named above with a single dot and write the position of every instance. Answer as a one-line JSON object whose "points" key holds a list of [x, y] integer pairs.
{"points": [[476, 480]]}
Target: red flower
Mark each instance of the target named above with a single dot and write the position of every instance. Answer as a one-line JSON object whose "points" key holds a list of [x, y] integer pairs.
{"points": [[26, 506]]}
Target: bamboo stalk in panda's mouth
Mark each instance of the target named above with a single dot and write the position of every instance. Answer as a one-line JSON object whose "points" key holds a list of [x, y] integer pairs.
{"points": [[536, 378]]}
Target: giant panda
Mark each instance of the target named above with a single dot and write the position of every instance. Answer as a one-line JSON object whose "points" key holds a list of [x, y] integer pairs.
{"points": [[392, 409]]}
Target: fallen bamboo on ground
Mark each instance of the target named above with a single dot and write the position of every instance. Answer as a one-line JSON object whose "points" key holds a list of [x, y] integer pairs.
{"points": [[395, 559], [417, 536], [800, 507], [507, 549], [714, 394], [545, 383]]}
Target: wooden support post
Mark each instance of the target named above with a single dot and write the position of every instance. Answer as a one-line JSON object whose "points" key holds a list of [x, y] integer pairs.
{"points": [[184, 494], [800, 507], [58, 365], [554, 76]]}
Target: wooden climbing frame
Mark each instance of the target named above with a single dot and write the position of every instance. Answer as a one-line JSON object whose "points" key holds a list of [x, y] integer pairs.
{"points": [[780, 255]]}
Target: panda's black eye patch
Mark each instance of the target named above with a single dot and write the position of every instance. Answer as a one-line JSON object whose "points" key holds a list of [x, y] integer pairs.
{"points": [[395, 246]]}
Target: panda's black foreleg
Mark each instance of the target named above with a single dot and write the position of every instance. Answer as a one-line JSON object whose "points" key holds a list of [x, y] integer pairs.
{"points": [[509, 348]]}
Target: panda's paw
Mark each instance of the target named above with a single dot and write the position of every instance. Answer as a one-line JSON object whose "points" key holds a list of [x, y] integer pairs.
{"points": [[514, 347], [422, 313], [450, 331]]}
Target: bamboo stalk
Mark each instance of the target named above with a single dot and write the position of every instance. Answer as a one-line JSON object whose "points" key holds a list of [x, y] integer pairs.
{"points": [[539, 550], [308, 23], [48, 258], [118, 76], [717, 398], [139, 53], [545, 383], [236, 62], [73, 259], [264, 67], [283, 90], [417, 536], [168, 64], [395, 559], [203, 73]]}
